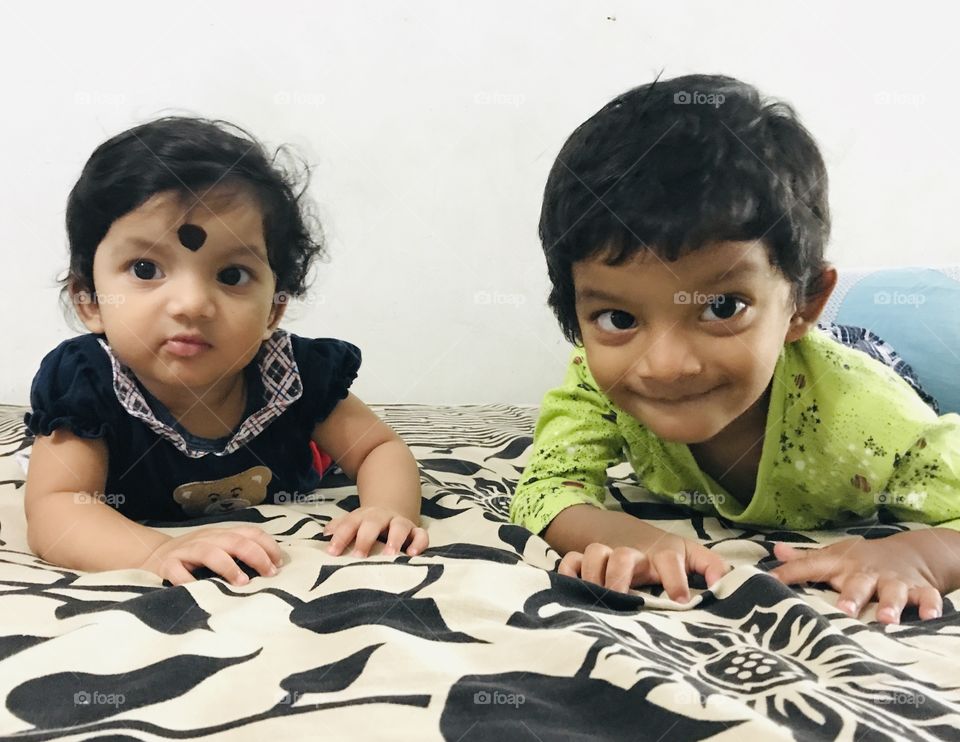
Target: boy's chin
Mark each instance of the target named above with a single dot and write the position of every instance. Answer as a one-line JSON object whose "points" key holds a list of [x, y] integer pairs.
{"points": [[683, 431]]}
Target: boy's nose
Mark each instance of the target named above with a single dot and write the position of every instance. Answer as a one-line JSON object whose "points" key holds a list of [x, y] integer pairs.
{"points": [[668, 357], [192, 298]]}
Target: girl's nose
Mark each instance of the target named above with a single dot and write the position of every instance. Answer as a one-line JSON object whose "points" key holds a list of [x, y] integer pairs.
{"points": [[192, 298]]}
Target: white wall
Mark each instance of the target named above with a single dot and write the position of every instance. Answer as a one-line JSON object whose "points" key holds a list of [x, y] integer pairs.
{"points": [[433, 126]]}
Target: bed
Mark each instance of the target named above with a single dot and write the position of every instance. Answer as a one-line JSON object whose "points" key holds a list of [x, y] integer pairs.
{"points": [[476, 639]]}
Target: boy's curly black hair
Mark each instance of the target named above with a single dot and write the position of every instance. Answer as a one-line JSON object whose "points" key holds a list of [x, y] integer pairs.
{"points": [[189, 156], [676, 164]]}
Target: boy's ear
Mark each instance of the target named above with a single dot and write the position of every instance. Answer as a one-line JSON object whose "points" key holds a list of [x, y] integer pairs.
{"points": [[807, 315], [85, 303]]}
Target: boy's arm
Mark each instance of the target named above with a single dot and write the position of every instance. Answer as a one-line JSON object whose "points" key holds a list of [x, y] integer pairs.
{"points": [[925, 485], [575, 442]]}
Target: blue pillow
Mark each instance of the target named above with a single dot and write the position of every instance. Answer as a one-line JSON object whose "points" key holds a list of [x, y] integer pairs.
{"points": [[917, 311]]}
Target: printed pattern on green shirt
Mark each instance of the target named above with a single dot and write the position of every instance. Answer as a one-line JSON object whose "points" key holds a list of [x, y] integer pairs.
{"points": [[845, 438]]}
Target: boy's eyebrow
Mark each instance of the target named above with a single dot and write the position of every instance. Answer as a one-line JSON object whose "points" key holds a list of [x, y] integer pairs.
{"points": [[737, 270], [588, 293]]}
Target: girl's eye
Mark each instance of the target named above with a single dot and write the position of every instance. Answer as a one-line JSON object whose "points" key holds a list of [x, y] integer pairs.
{"points": [[146, 270], [614, 320], [723, 307], [234, 276]]}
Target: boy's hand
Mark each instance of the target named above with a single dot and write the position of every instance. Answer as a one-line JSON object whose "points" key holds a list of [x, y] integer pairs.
{"points": [[215, 549], [366, 524], [666, 561], [910, 568]]}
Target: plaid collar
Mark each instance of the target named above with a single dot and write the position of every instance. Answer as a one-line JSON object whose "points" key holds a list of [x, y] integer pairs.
{"points": [[281, 388]]}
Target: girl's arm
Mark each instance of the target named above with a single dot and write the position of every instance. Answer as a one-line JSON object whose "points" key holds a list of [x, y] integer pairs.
{"points": [[387, 477], [69, 524]]}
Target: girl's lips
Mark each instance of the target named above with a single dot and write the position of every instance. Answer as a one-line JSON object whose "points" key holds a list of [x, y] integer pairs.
{"points": [[186, 348]]}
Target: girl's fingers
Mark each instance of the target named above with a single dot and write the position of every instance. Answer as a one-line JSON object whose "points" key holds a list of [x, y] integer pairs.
{"points": [[332, 525], [672, 572], [570, 564], [176, 574], [367, 535], [219, 562], [397, 534], [892, 597], [855, 592], [346, 531], [252, 554], [418, 541], [928, 600]]}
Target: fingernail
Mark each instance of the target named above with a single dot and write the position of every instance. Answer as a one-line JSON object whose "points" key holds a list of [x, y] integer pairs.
{"points": [[243, 579], [272, 571], [847, 606], [934, 614]]}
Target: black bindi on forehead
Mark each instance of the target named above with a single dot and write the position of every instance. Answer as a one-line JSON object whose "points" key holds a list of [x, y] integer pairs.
{"points": [[192, 236]]}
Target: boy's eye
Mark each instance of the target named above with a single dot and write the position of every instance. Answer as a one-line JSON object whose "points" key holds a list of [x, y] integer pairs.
{"points": [[234, 276], [615, 320], [722, 307], [146, 270]]}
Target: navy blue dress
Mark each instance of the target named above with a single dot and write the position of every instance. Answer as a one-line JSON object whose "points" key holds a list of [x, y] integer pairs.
{"points": [[157, 470]]}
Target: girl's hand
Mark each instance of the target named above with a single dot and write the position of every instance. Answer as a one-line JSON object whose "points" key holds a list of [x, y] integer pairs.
{"points": [[667, 561], [216, 549], [910, 568], [366, 524]]}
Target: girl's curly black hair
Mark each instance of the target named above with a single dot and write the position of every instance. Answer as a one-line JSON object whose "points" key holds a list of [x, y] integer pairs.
{"points": [[190, 156]]}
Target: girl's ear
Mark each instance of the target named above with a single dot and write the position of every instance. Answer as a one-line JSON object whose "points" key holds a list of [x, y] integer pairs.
{"points": [[87, 308], [280, 300], [806, 316]]}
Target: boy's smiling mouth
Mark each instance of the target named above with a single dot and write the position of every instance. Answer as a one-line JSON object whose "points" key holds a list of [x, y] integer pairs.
{"points": [[675, 399]]}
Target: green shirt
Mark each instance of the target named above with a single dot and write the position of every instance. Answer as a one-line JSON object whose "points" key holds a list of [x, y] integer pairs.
{"points": [[845, 437]]}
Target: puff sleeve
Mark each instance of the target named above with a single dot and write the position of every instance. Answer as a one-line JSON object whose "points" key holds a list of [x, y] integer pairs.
{"points": [[328, 368], [73, 390]]}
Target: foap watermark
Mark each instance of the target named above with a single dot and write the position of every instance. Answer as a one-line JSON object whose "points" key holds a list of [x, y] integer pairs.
{"points": [[697, 298], [899, 298], [98, 698], [98, 98], [696, 498], [912, 500], [490, 98], [488, 298], [498, 698], [99, 297], [299, 498], [114, 500], [893, 98], [308, 299], [299, 98], [697, 98], [900, 698]]}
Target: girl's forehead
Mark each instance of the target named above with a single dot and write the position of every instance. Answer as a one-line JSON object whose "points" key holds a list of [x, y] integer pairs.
{"points": [[227, 215]]}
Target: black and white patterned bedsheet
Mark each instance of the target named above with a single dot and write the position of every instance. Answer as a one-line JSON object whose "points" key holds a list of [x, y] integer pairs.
{"points": [[476, 639]]}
